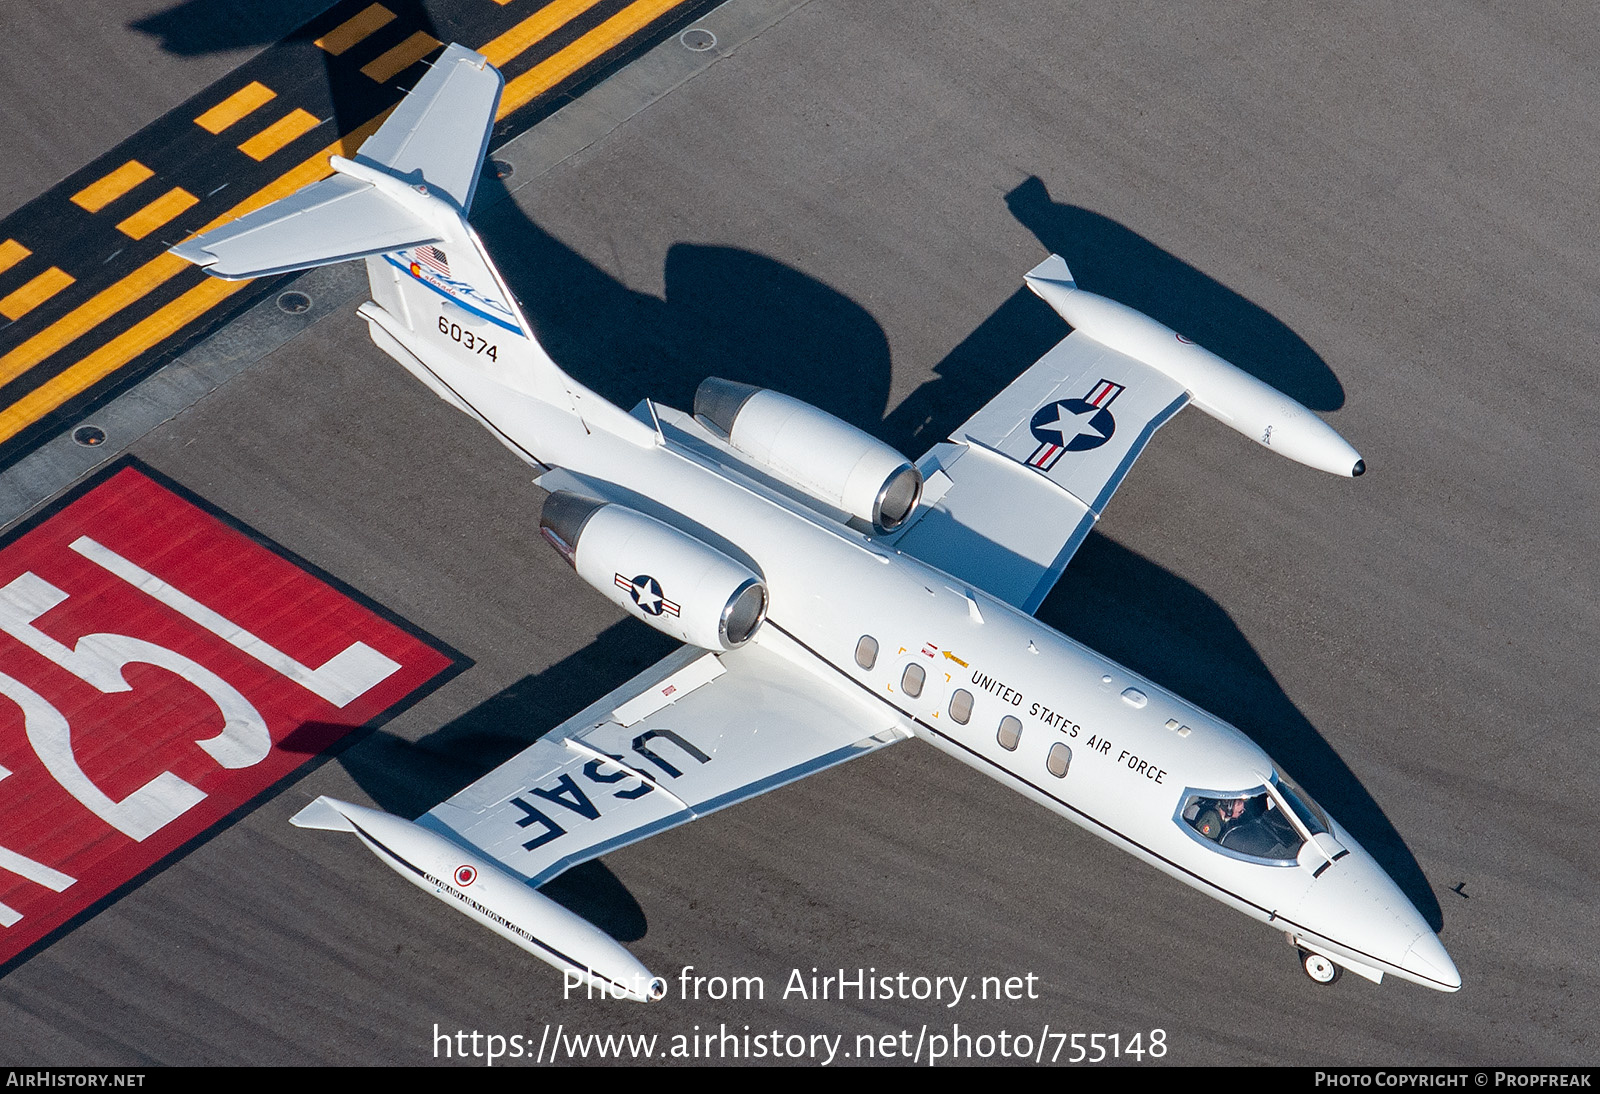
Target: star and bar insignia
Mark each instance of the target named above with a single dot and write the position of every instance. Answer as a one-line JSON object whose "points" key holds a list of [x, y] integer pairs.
{"points": [[1074, 425], [646, 592]]}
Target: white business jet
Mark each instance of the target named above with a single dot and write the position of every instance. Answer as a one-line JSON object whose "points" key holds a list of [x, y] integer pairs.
{"points": [[833, 597]]}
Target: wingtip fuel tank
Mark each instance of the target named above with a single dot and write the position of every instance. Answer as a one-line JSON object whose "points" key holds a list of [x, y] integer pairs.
{"points": [[1223, 390], [477, 886]]}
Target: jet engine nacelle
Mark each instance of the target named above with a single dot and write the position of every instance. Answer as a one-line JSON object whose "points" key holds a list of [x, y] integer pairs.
{"points": [[678, 584], [830, 460]]}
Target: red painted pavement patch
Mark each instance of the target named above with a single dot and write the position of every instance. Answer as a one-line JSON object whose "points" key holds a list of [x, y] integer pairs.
{"points": [[153, 660]]}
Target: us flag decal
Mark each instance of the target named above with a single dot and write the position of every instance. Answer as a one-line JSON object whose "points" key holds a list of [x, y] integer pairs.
{"points": [[433, 258]]}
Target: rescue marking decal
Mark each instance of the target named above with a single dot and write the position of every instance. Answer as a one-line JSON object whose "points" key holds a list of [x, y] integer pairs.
{"points": [[1073, 425]]}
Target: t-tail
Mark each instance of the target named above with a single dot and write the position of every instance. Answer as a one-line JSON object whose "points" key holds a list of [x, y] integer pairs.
{"points": [[401, 204]]}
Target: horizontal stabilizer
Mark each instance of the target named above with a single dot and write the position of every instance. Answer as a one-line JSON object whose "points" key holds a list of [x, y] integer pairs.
{"points": [[333, 220], [395, 194]]}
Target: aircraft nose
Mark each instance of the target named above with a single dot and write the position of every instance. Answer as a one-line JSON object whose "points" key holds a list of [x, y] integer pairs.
{"points": [[1427, 957], [1357, 904]]}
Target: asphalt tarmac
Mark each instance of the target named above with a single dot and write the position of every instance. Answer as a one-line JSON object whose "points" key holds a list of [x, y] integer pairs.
{"points": [[1386, 210], [79, 79]]}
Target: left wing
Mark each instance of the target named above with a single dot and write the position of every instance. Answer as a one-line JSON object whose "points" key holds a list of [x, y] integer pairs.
{"points": [[1015, 490], [696, 732]]}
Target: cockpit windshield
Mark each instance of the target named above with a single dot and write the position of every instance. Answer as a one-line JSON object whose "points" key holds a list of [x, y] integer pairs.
{"points": [[1310, 813], [1248, 825]]}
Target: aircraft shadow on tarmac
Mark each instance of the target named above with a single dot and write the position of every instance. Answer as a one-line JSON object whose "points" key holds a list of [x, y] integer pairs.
{"points": [[1109, 259], [198, 27], [744, 316], [747, 317], [288, 29], [408, 779]]}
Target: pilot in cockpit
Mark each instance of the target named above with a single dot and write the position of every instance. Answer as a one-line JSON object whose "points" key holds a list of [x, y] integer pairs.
{"points": [[1250, 826], [1217, 817]]}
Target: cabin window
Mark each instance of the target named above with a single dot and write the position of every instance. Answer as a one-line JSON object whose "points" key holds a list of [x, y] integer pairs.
{"points": [[961, 707], [867, 651], [1247, 825], [1010, 732], [912, 679], [1059, 759]]}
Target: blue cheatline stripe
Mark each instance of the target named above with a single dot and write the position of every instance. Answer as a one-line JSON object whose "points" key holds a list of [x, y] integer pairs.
{"points": [[456, 300]]}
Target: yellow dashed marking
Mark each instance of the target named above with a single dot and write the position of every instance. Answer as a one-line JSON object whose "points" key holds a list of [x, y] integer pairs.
{"points": [[12, 252], [97, 195], [550, 72], [235, 106], [168, 320], [352, 30], [535, 28], [157, 213], [35, 292], [210, 293], [116, 353], [292, 126], [392, 62]]}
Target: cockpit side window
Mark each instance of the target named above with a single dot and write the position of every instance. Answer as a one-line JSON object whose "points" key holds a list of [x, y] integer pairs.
{"points": [[1247, 825]]}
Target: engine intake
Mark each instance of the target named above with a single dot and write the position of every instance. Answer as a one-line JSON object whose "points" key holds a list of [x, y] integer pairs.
{"points": [[830, 460], [678, 584]]}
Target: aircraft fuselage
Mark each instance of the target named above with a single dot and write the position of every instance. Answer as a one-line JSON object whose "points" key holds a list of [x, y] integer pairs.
{"points": [[1089, 740]]}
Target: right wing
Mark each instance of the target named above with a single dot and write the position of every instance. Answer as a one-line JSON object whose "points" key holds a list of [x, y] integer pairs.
{"points": [[694, 733], [1014, 491]]}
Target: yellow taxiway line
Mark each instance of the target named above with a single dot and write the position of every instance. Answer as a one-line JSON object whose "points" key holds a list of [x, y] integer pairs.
{"points": [[252, 96], [179, 313]]}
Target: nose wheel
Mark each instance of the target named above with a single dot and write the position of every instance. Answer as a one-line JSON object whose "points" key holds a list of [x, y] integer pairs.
{"points": [[1319, 968]]}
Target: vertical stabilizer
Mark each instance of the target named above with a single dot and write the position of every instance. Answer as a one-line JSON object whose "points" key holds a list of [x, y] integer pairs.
{"points": [[401, 204]]}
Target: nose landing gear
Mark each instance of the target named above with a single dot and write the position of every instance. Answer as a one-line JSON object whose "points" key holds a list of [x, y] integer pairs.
{"points": [[1319, 968]]}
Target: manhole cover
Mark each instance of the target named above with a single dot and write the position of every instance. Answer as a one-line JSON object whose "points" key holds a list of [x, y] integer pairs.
{"points": [[90, 436], [294, 303], [698, 39], [502, 169]]}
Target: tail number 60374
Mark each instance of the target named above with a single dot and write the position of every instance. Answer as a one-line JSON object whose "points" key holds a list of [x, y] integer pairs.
{"points": [[473, 342]]}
